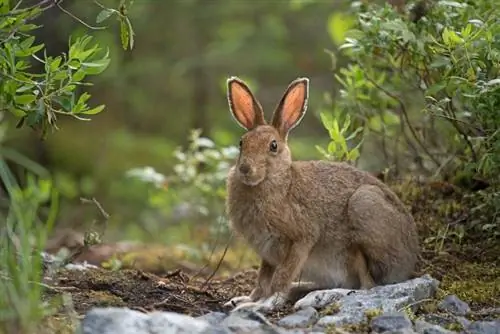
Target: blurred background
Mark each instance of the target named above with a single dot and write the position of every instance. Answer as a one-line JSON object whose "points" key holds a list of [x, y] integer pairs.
{"points": [[151, 167], [171, 82]]}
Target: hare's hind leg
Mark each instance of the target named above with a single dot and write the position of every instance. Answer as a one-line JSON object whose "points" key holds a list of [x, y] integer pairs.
{"points": [[387, 237], [358, 269]]}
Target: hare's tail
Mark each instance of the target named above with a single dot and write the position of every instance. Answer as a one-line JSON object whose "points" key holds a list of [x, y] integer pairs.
{"points": [[395, 200]]}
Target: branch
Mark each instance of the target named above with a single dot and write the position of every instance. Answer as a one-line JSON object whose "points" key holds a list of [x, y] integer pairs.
{"points": [[405, 115]]}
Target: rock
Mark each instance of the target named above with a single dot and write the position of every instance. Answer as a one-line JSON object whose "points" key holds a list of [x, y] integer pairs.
{"points": [[113, 320], [213, 318], [322, 298], [303, 318], [484, 327], [390, 322], [401, 331], [249, 321], [354, 304], [442, 320], [454, 305], [423, 327]]}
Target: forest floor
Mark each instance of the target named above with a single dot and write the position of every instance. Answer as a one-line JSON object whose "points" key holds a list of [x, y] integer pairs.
{"points": [[464, 258]]}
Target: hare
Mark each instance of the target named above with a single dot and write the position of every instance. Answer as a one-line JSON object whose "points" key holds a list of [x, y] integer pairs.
{"points": [[330, 223]]}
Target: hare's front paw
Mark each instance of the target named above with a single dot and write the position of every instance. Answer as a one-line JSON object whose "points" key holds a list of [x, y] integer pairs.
{"points": [[265, 305], [237, 301]]}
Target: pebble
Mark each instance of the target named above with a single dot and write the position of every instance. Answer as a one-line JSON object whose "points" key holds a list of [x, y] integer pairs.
{"points": [[454, 305], [390, 322]]}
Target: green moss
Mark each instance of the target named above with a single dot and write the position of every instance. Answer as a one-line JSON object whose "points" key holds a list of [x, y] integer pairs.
{"points": [[330, 309], [372, 313], [103, 298]]}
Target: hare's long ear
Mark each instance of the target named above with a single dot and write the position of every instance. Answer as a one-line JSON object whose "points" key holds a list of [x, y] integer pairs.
{"points": [[292, 107], [243, 105]]}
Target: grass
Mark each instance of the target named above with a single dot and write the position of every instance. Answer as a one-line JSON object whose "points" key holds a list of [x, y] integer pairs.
{"points": [[21, 267]]}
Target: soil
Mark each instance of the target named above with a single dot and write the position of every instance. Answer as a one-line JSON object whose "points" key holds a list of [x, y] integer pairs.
{"points": [[454, 251], [145, 292]]}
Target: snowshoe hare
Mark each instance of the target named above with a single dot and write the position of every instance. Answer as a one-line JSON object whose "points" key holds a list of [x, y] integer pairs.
{"points": [[324, 222]]}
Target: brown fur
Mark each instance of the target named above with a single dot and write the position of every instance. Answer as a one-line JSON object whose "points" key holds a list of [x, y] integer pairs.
{"points": [[326, 222]]}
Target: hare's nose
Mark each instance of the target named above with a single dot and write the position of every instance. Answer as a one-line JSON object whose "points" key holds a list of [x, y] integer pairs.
{"points": [[244, 168]]}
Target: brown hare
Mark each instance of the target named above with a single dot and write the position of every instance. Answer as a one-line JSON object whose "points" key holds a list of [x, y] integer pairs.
{"points": [[324, 222]]}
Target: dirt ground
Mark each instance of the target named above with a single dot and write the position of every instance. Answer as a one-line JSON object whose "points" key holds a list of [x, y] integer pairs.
{"points": [[467, 264]]}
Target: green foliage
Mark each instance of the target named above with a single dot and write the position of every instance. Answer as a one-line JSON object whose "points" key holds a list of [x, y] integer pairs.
{"points": [[195, 191], [338, 148], [35, 99], [38, 98], [21, 240], [428, 90]]}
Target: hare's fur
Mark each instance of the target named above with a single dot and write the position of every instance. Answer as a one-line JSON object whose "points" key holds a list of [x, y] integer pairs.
{"points": [[324, 222]]}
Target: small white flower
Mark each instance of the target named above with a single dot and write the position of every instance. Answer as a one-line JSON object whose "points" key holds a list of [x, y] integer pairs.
{"points": [[147, 174], [205, 142]]}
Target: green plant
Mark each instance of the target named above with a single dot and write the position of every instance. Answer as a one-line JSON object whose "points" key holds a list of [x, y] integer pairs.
{"points": [[22, 239], [426, 88], [197, 185], [36, 99], [338, 148]]}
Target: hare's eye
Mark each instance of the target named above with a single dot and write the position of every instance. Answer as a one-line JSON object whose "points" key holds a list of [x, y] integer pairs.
{"points": [[273, 146], [241, 142]]}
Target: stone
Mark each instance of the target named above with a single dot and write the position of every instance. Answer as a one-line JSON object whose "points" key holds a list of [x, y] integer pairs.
{"points": [[353, 304], [303, 318], [213, 318], [423, 327], [484, 327], [390, 322], [112, 320], [249, 321], [454, 305], [401, 331]]}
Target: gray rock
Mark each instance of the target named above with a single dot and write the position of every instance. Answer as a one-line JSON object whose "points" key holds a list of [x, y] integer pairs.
{"points": [[401, 331], [354, 303], [454, 305], [249, 321], [423, 327], [303, 318], [390, 322], [213, 318], [113, 320], [484, 327]]}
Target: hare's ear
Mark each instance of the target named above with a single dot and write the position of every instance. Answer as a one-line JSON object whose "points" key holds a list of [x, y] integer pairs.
{"points": [[243, 106], [292, 107]]}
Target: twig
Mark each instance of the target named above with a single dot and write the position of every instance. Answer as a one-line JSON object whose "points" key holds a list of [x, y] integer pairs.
{"points": [[212, 251], [97, 204], [219, 263], [415, 303], [46, 286], [451, 109], [405, 114], [77, 19]]}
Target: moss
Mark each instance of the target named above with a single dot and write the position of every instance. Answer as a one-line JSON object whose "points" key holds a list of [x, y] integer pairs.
{"points": [[455, 327], [104, 298], [372, 313], [330, 309]]}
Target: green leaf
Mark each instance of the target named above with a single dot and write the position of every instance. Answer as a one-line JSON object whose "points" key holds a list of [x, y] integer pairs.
{"points": [[104, 15], [83, 98], [54, 64], [124, 34], [446, 36], [78, 75], [131, 33], [332, 147], [339, 24], [94, 111], [24, 99], [437, 87]]}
